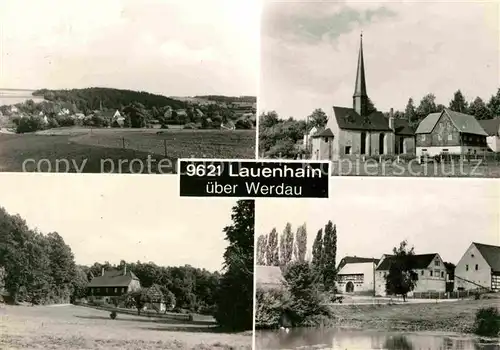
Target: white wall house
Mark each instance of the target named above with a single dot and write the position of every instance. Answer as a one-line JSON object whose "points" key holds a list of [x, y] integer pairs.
{"points": [[492, 128], [356, 275], [479, 268]]}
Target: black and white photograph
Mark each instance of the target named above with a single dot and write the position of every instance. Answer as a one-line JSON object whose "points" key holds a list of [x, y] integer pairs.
{"points": [[382, 88], [126, 86], [382, 264], [121, 262]]}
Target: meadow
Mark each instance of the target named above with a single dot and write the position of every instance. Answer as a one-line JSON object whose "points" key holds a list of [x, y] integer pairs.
{"points": [[127, 150], [77, 327]]}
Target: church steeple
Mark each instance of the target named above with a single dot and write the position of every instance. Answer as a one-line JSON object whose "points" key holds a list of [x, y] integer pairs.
{"points": [[360, 98]]}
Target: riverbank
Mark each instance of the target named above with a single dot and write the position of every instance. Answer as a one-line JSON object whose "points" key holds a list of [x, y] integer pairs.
{"points": [[456, 317]]}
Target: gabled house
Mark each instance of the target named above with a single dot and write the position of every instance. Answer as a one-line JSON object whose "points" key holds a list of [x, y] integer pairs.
{"points": [[430, 268], [450, 132], [356, 275], [492, 129], [268, 277], [112, 283], [359, 131], [479, 268]]}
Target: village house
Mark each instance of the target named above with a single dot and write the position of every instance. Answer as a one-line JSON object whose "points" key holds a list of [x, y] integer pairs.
{"points": [[479, 268], [268, 277], [492, 129], [358, 132], [356, 275], [430, 268], [112, 283], [450, 132]]}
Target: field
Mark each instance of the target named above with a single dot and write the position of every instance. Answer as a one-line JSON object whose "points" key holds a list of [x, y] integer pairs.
{"points": [[74, 327], [118, 150], [455, 316]]}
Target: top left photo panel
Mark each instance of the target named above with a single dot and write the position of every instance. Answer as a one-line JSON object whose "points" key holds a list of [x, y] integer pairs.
{"points": [[126, 86]]}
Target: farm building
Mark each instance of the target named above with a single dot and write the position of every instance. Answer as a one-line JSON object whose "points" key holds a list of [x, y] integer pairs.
{"points": [[432, 273], [112, 283], [268, 277], [357, 131], [450, 132], [356, 275], [479, 268], [492, 128]]}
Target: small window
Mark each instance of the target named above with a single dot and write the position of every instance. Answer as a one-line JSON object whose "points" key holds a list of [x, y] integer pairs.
{"points": [[347, 149], [422, 272], [431, 273], [116, 290], [472, 255], [450, 137], [477, 267], [442, 274], [466, 267], [436, 263], [423, 137], [326, 139], [445, 150]]}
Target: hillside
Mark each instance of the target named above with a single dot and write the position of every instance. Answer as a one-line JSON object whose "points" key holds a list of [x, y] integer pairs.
{"points": [[91, 98], [228, 99]]}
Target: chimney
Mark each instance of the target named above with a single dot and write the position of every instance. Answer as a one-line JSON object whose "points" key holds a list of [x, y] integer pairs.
{"points": [[391, 119], [125, 270], [102, 272]]}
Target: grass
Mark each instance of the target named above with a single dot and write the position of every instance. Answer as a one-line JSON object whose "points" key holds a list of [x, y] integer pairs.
{"points": [[456, 316], [74, 327], [119, 150]]}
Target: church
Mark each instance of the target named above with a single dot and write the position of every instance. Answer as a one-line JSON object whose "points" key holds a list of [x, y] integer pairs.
{"points": [[358, 131]]}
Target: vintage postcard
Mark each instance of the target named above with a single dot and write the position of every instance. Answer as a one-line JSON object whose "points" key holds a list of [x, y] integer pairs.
{"points": [[383, 264], [382, 88], [121, 262], [126, 86]]}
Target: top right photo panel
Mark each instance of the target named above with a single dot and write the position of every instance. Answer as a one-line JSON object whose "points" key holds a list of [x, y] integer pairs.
{"points": [[382, 89]]}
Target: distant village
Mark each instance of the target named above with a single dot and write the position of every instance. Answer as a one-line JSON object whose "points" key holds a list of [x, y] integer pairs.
{"points": [[65, 110], [477, 271]]}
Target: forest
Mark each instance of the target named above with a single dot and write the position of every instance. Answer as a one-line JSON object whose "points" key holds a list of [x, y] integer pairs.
{"points": [[40, 269], [280, 137]]}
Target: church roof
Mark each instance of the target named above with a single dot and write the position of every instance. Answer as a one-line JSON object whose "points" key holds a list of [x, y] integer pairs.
{"points": [[360, 85], [491, 126], [348, 118], [465, 123]]}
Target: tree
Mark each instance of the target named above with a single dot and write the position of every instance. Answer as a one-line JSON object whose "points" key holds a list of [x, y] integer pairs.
{"points": [[317, 119], [137, 115], [317, 252], [479, 109], [370, 108], [329, 256], [261, 250], [427, 106], [458, 103], [401, 278], [272, 251], [139, 298], [268, 120], [494, 104], [235, 296], [410, 112], [300, 247], [286, 245]]}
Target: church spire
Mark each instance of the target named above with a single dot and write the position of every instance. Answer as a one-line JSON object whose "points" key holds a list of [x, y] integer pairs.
{"points": [[360, 98]]}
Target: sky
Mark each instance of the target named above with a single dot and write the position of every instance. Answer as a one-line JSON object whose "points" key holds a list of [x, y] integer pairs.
{"points": [[130, 217], [170, 47], [309, 53], [373, 215]]}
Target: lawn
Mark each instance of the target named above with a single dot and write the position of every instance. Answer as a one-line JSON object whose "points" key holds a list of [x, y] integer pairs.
{"points": [[455, 316], [119, 150], [74, 327]]}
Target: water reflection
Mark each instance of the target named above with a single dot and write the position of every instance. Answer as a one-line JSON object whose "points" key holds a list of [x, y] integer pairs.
{"points": [[327, 338]]}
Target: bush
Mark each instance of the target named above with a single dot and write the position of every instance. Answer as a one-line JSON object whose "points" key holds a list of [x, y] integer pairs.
{"points": [[30, 124], [271, 306], [487, 322], [112, 315], [190, 126]]}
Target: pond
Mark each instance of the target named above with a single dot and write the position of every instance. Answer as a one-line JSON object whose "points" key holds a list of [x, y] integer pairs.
{"points": [[327, 338]]}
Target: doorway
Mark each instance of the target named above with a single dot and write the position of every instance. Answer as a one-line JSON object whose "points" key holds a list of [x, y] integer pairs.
{"points": [[349, 287]]}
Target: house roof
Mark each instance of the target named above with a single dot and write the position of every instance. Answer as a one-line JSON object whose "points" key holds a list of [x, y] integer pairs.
{"points": [[355, 260], [491, 254], [421, 261], [491, 126], [324, 133], [465, 123], [348, 118], [268, 276], [113, 278], [402, 127]]}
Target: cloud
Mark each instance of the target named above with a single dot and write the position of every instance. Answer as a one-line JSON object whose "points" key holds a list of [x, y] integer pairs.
{"points": [[411, 49], [158, 46]]}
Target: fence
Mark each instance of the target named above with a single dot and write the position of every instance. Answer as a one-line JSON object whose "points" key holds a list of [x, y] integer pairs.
{"points": [[448, 295]]}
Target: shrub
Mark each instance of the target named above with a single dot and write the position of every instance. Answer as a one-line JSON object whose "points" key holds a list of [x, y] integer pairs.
{"points": [[190, 126], [112, 315], [487, 322], [29, 124], [271, 305]]}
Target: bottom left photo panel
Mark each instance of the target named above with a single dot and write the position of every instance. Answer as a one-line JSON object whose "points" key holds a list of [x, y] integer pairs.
{"points": [[122, 262]]}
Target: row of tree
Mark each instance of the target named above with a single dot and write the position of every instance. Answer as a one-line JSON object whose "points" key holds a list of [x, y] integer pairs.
{"points": [[41, 269]]}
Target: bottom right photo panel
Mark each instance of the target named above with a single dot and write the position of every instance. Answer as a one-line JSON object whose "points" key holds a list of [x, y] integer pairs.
{"points": [[384, 263]]}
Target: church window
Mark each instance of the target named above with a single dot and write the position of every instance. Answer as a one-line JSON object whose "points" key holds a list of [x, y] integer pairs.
{"points": [[466, 267], [347, 149], [477, 267]]}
